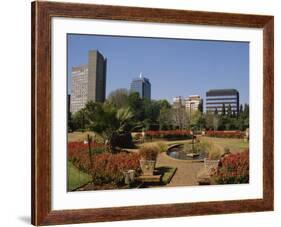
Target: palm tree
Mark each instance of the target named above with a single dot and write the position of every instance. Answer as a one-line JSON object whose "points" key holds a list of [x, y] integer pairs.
{"points": [[108, 121]]}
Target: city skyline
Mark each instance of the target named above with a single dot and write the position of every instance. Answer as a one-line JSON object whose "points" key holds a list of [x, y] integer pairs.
{"points": [[126, 59]]}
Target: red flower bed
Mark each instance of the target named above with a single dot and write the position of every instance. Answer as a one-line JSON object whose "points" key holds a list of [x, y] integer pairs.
{"points": [[78, 153], [104, 167], [169, 134], [225, 134], [109, 168], [233, 169]]}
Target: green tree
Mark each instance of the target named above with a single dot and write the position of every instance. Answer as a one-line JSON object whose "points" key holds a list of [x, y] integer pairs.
{"points": [[246, 110], [229, 110], [163, 103], [79, 120], [151, 110], [136, 105], [108, 121], [241, 109], [223, 110], [196, 119], [165, 119], [216, 122], [200, 107], [216, 111], [209, 123], [180, 118], [119, 98]]}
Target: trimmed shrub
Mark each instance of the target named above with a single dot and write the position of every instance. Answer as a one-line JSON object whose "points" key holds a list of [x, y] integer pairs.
{"points": [[149, 152], [123, 140]]}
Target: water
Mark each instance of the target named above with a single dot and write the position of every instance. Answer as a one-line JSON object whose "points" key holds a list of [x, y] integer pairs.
{"points": [[179, 153]]}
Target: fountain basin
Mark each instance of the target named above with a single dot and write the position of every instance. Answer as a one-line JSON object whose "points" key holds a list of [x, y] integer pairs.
{"points": [[178, 152]]}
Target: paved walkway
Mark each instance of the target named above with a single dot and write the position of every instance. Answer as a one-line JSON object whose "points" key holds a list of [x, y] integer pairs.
{"points": [[186, 171]]}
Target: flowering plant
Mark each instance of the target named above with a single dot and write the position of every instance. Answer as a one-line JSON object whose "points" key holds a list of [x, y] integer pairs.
{"points": [[232, 169], [78, 153], [109, 168], [104, 167]]}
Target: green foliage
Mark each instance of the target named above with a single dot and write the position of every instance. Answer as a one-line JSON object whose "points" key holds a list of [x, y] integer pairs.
{"points": [[223, 110], [165, 119], [167, 173], [210, 150], [78, 121], [151, 115], [136, 105], [119, 98], [227, 121], [108, 121], [229, 110]]}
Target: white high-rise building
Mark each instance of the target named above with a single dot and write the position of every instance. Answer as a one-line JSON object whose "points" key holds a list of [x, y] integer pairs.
{"points": [[194, 102], [178, 102], [88, 82], [79, 88]]}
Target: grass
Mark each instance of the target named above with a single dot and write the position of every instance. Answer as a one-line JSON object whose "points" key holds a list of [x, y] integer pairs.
{"points": [[167, 173], [163, 142], [81, 136], [76, 178], [232, 144]]}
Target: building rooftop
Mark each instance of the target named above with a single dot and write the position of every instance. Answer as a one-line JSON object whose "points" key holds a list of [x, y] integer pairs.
{"points": [[221, 92], [144, 79]]}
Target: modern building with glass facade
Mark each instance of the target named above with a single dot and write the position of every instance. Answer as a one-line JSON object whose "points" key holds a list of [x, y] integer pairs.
{"points": [[88, 81], [142, 86], [217, 98]]}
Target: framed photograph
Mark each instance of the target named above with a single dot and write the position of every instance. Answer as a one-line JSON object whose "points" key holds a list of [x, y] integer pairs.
{"points": [[142, 113]]}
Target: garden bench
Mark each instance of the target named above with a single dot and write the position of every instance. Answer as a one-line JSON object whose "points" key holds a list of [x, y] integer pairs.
{"points": [[148, 179]]}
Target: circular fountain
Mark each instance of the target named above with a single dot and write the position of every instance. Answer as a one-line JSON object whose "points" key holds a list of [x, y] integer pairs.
{"points": [[183, 152]]}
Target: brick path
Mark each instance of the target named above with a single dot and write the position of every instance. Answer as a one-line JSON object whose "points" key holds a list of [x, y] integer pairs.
{"points": [[186, 171]]}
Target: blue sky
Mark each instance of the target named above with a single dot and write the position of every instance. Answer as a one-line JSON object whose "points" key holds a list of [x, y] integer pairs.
{"points": [[174, 67]]}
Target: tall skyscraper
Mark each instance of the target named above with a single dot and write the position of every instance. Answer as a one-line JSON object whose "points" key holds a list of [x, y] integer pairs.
{"points": [[217, 98], [142, 86], [97, 76], [88, 81]]}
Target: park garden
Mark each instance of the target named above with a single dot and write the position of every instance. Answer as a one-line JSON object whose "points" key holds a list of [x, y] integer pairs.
{"points": [[129, 142]]}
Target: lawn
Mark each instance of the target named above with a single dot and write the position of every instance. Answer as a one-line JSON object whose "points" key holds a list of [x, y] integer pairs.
{"points": [[81, 136], [168, 142], [167, 173], [76, 178], [232, 144]]}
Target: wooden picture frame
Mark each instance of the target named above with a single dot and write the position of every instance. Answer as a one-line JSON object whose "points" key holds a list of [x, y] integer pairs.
{"points": [[42, 13]]}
